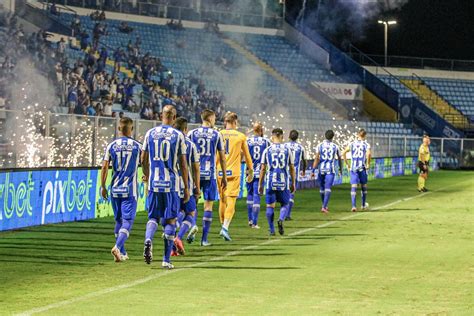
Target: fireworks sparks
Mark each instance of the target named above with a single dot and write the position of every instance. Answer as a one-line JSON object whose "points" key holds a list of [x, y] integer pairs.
{"points": [[37, 138], [344, 133], [40, 139]]}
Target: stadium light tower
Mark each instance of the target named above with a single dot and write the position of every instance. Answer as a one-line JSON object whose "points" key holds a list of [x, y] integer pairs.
{"points": [[386, 25]]}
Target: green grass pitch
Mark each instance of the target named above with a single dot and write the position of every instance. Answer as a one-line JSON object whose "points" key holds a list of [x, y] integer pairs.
{"points": [[413, 255]]}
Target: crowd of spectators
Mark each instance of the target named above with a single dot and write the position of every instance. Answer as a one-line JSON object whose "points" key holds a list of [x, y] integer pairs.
{"points": [[32, 50], [102, 76], [150, 87]]}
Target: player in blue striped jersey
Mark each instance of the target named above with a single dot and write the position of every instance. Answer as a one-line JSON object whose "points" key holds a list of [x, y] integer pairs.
{"points": [[209, 144], [123, 155], [300, 161], [257, 145], [164, 153], [280, 180], [324, 165], [188, 210], [358, 167]]}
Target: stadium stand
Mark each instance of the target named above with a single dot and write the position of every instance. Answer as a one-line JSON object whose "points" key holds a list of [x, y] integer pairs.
{"points": [[397, 85], [183, 61], [215, 66], [287, 59], [459, 93]]}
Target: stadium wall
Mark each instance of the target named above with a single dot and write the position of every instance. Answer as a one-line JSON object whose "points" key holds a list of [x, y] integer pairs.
{"points": [[429, 73], [163, 21], [47, 196], [412, 110]]}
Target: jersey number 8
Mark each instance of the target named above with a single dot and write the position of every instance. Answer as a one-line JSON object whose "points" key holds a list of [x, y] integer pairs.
{"points": [[256, 153]]}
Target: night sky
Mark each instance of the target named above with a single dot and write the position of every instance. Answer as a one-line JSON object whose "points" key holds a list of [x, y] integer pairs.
{"points": [[426, 28]]}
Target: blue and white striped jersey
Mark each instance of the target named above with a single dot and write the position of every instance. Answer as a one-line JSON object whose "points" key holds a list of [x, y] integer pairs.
{"points": [[359, 150], [124, 156], [164, 145], [192, 157], [208, 142], [278, 158], [257, 146], [299, 154], [328, 153]]}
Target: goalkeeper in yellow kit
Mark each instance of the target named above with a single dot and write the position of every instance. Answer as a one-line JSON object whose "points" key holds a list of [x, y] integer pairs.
{"points": [[423, 163], [235, 144]]}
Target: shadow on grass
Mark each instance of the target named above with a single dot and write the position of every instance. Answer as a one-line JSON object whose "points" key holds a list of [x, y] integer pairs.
{"points": [[244, 268], [62, 241], [52, 261], [72, 230], [398, 209], [37, 247]]}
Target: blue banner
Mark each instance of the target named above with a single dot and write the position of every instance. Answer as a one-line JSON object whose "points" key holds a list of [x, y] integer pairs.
{"points": [[38, 197], [413, 110], [29, 198]]}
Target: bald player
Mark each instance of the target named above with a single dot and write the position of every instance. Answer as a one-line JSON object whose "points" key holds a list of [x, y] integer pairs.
{"points": [[164, 150], [235, 145], [423, 163], [257, 145]]}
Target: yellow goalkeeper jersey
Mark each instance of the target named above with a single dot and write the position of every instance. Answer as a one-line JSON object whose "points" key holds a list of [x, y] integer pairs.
{"points": [[235, 144], [424, 153]]}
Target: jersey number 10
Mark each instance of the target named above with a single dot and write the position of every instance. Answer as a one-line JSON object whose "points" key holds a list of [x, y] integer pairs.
{"points": [[162, 150]]}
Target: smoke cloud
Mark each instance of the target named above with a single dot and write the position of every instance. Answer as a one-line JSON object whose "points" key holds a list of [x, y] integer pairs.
{"points": [[339, 18]]}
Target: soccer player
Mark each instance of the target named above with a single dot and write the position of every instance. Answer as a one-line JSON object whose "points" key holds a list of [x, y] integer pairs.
{"points": [[359, 164], [299, 155], [326, 154], [124, 155], [423, 163], [164, 149], [280, 162], [235, 144], [209, 144], [189, 208], [257, 145]]}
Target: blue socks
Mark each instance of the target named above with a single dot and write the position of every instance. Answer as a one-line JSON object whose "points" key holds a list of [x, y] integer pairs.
{"points": [[185, 226], [364, 195], [353, 196], [270, 217], [327, 195], [255, 208], [170, 231], [179, 221], [284, 212], [290, 206], [124, 233], [151, 228], [321, 193], [206, 224], [255, 212], [118, 224], [250, 207]]}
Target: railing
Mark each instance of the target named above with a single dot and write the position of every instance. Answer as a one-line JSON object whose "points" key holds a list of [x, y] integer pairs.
{"points": [[419, 62], [432, 97], [183, 13], [453, 114], [43, 139], [60, 9]]}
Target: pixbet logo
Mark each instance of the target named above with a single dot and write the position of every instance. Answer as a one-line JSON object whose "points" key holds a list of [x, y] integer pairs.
{"points": [[16, 198], [60, 196]]}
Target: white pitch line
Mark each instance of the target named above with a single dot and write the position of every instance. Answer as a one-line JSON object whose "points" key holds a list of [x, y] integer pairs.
{"points": [[229, 254]]}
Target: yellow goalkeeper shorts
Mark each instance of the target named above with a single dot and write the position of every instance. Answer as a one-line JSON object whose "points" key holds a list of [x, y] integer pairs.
{"points": [[233, 187]]}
